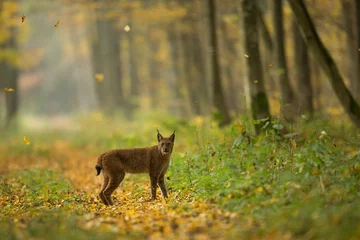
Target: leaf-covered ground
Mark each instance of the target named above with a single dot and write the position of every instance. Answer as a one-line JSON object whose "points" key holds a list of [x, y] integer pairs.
{"points": [[223, 183], [42, 202]]}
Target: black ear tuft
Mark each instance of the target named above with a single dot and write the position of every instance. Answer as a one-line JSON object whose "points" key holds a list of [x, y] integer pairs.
{"points": [[172, 137], [159, 136]]}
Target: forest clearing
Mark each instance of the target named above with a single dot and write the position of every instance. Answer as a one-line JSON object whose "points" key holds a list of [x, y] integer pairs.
{"points": [[220, 185], [263, 96]]}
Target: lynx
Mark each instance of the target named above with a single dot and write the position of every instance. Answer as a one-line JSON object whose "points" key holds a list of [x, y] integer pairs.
{"points": [[152, 160]]}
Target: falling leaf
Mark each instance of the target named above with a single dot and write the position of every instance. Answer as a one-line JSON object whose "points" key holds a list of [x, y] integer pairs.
{"points": [[9, 89], [127, 28], [26, 140], [57, 24], [99, 77], [211, 167], [270, 65], [23, 18], [256, 81], [245, 55]]}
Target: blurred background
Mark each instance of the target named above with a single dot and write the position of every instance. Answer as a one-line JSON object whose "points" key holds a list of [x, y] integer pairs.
{"points": [[63, 58]]}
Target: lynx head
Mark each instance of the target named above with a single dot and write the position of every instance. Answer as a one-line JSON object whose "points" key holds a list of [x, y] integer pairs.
{"points": [[165, 145]]}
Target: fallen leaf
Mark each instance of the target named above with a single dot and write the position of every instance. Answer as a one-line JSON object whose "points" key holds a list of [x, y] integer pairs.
{"points": [[23, 18], [9, 89], [57, 24], [240, 127], [293, 142], [245, 55]]}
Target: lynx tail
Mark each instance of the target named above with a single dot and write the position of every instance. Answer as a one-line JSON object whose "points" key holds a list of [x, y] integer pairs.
{"points": [[98, 166]]}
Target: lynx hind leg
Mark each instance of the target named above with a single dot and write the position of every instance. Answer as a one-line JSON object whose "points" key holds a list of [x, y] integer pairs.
{"points": [[114, 182], [104, 185]]}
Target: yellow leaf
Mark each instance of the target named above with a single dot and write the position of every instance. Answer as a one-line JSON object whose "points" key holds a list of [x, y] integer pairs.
{"points": [[211, 167], [240, 127], [198, 121], [293, 143], [9, 89], [270, 65], [26, 140], [259, 189], [256, 81], [57, 24], [23, 18], [245, 55], [99, 77]]}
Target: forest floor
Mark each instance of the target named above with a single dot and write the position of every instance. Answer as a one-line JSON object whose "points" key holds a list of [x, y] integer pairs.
{"points": [[304, 185]]}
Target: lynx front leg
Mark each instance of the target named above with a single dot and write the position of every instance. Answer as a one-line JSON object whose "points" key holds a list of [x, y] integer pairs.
{"points": [[154, 181], [162, 185]]}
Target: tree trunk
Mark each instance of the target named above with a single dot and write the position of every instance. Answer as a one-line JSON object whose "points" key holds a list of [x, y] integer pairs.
{"points": [[219, 99], [106, 60], [190, 80], [228, 45], [268, 56], [199, 71], [351, 58], [325, 60], [302, 69], [287, 93], [134, 77], [9, 74], [258, 99], [356, 82], [175, 48]]}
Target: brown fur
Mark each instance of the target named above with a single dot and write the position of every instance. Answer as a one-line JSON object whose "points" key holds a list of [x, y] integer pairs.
{"points": [[152, 160]]}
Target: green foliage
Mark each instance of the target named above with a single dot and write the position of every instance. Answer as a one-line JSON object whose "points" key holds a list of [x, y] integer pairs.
{"points": [[308, 189]]}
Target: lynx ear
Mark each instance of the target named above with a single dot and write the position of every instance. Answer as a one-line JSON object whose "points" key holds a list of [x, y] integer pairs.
{"points": [[159, 136], [172, 137]]}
